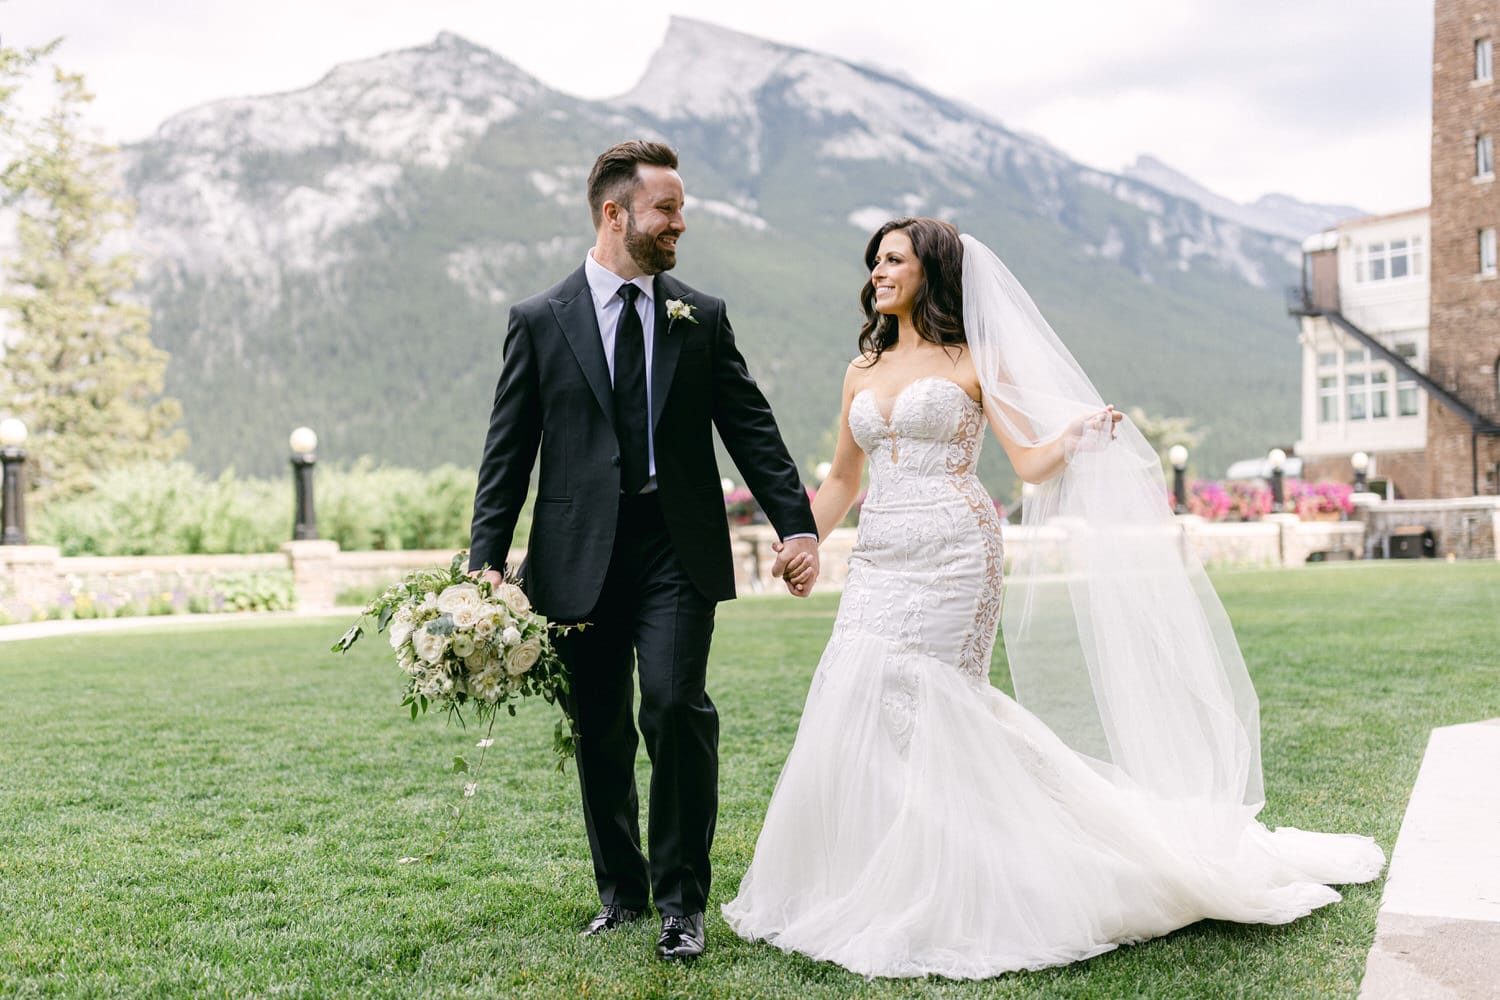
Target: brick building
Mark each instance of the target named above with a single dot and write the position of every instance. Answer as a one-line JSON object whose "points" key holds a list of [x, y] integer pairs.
{"points": [[1464, 330], [1401, 313]]}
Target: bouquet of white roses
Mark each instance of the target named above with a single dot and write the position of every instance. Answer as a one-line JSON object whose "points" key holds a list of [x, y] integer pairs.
{"points": [[464, 643]]}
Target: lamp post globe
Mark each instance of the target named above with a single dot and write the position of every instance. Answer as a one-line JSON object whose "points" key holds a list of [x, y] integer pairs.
{"points": [[304, 444], [1178, 456], [12, 458], [12, 433], [1361, 462], [1277, 458], [303, 441]]}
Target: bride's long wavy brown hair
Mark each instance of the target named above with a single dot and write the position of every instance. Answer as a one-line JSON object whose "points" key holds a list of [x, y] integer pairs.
{"points": [[938, 311]]}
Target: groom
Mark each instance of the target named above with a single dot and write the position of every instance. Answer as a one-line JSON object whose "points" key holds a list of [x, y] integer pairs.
{"points": [[617, 376]]}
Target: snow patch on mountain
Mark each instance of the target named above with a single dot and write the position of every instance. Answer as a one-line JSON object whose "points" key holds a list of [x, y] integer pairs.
{"points": [[724, 210], [479, 269]]}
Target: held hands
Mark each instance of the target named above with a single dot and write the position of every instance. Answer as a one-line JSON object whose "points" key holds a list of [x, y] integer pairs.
{"points": [[797, 564], [1091, 432]]}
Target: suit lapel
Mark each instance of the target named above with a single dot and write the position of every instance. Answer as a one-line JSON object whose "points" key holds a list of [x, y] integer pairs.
{"points": [[574, 312], [667, 346]]}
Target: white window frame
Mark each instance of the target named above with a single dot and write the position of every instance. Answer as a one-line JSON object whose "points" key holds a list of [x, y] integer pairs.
{"points": [[1484, 158], [1328, 399], [1487, 258], [1408, 398], [1484, 60], [1379, 259]]}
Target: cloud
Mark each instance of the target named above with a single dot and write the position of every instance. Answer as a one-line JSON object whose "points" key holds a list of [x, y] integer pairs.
{"points": [[1291, 95]]}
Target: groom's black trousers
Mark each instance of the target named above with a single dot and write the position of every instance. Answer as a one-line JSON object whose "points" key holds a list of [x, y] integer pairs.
{"points": [[649, 614]]}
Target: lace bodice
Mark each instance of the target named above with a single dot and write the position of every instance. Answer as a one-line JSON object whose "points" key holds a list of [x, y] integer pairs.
{"points": [[924, 576], [930, 438]]}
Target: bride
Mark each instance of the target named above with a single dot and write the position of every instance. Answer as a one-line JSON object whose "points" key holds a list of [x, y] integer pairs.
{"points": [[926, 823]]}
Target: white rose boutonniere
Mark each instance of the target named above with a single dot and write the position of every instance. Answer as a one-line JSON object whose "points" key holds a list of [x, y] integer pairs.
{"points": [[678, 309]]}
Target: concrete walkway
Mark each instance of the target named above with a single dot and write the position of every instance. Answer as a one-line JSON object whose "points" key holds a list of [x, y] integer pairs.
{"points": [[91, 626], [1438, 933]]}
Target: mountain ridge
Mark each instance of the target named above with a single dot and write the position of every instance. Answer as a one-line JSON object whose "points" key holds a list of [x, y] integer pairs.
{"points": [[306, 266]]}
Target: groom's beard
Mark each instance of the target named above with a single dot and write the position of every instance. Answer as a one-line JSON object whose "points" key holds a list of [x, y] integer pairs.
{"points": [[649, 255]]}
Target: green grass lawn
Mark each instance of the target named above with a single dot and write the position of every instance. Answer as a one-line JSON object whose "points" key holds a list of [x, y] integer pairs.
{"points": [[218, 812]]}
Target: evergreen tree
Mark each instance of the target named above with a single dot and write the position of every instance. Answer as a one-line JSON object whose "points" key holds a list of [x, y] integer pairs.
{"points": [[80, 367]]}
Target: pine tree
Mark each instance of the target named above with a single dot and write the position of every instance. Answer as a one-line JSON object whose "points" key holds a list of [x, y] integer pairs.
{"points": [[79, 364]]}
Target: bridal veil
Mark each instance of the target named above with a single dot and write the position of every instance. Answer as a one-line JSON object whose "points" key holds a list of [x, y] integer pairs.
{"points": [[1114, 635]]}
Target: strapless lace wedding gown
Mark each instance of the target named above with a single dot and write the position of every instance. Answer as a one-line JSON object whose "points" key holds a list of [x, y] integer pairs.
{"points": [[925, 823]]}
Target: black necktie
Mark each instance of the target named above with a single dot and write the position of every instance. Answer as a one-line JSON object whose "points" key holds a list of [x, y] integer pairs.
{"points": [[631, 416]]}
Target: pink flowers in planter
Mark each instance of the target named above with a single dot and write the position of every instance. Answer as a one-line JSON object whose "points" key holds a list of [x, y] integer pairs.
{"points": [[1323, 497], [1249, 501]]}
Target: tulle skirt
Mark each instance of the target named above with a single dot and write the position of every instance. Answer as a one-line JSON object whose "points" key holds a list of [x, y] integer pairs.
{"points": [[926, 824]]}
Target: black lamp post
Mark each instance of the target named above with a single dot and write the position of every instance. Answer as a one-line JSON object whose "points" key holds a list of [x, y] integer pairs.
{"points": [[1361, 463], [1277, 458], [304, 443], [1178, 456], [12, 457]]}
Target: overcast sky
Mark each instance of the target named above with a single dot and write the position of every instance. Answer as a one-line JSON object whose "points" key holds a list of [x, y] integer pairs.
{"points": [[1325, 100]]}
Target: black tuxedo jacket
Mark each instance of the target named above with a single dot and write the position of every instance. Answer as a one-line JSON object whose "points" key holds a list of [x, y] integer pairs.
{"points": [[554, 398]]}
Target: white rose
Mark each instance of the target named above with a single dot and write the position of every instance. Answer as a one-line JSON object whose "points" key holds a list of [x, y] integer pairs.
{"points": [[513, 596], [465, 617], [463, 644], [510, 636], [428, 646], [460, 595], [523, 657], [485, 627]]}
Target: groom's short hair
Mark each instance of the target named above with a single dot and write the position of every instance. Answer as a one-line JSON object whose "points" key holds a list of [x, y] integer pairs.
{"points": [[615, 176]]}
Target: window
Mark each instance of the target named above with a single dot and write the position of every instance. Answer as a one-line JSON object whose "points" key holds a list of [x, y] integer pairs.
{"points": [[1380, 396], [1355, 384], [1357, 356], [1328, 359], [1389, 260], [1406, 388], [1487, 252], [1484, 157], [1328, 399], [1483, 60]]}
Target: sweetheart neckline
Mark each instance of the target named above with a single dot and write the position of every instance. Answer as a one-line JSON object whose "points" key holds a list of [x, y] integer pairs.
{"points": [[896, 399]]}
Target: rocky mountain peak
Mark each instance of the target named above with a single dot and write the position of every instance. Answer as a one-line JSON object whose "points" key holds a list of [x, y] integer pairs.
{"points": [[416, 104]]}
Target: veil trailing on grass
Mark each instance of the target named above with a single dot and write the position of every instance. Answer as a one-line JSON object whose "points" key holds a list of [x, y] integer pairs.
{"points": [[1114, 635]]}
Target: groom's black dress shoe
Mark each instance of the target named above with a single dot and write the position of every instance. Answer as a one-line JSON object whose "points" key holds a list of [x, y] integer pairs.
{"points": [[681, 938], [608, 918]]}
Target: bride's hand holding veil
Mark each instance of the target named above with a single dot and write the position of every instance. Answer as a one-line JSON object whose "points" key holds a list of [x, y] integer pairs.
{"points": [[1090, 433]]}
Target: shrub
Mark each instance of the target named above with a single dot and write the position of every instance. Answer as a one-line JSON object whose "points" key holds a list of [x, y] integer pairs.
{"points": [[170, 509]]}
